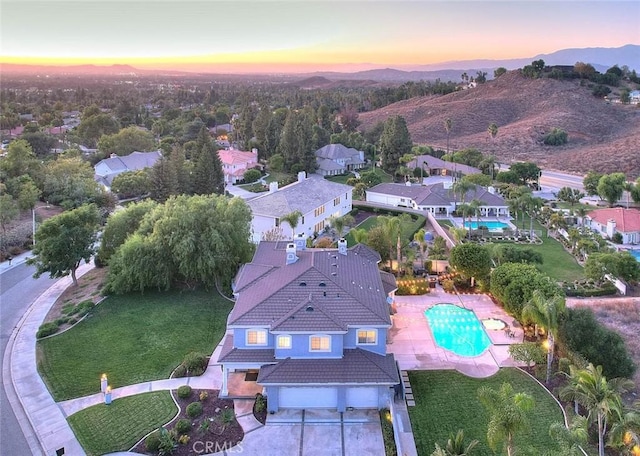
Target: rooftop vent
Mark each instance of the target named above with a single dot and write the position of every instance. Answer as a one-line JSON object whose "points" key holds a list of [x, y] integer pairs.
{"points": [[309, 309], [322, 284], [303, 284]]}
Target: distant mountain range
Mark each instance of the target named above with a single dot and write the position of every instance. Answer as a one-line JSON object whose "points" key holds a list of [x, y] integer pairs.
{"points": [[600, 58]]}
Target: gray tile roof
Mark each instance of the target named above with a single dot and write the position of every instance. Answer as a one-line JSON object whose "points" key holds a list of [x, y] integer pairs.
{"points": [[437, 194], [328, 165], [357, 366], [132, 162], [337, 151], [342, 290], [229, 354], [437, 163], [303, 196]]}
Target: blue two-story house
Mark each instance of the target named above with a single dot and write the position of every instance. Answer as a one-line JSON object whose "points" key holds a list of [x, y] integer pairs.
{"points": [[314, 323]]}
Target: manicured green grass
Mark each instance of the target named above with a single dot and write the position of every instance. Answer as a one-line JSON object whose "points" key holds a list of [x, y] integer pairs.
{"points": [[445, 223], [558, 264], [117, 427], [132, 338], [587, 207], [447, 401], [341, 179]]}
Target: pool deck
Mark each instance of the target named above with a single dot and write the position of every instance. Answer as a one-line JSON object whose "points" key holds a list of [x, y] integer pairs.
{"points": [[411, 341]]}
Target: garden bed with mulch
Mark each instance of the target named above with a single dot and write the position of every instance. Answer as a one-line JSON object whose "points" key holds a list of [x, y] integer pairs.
{"points": [[213, 429]]}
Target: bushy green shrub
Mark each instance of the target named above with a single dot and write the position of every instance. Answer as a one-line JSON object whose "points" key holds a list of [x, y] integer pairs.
{"points": [[194, 409], [581, 333], [183, 426], [184, 391], [47, 329], [180, 371], [556, 137], [251, 175], [260, 404], [152, 442], [195, 363]]}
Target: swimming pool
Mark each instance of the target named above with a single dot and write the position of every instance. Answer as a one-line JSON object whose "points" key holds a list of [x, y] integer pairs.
{"points": [[636, 254], [492, 225], [457, 329]]}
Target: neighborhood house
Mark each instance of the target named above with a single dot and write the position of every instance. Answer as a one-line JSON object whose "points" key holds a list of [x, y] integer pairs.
{"points": [[438, 199], [236, 162], [313, 324], [316, 198], [610, 221], [107, 169], [334, 159]]}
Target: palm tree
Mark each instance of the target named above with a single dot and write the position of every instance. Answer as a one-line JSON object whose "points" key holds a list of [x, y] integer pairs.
{"points": [[545, 312], [570, 440], [292, 218], [456, 445], [625, 431], [392, 229], [568, 391], [461, 188], [448, 123], [359, 235], [493, 130], [530, 204], [601, 397], [508, 414], [338, 223]]}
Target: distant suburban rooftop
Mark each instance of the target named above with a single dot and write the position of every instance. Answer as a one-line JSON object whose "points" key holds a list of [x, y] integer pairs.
{"points": [[303, 196], [437, 163], [437, 194], [627, 220]]}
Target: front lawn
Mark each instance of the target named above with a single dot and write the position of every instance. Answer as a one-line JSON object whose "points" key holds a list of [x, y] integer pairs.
{"points": [[132, 338], [117, 427], [447, 401]]}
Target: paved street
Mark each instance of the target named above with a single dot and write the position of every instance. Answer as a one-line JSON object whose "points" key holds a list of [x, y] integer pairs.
{"points": [[17, 291]]}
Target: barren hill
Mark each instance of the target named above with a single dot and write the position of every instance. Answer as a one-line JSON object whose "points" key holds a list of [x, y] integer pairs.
{"points": [[602, 136]]}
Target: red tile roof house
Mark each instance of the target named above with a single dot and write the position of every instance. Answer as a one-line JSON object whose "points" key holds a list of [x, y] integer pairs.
{"points": [[236, 162], [314, 323], [609, 221]]}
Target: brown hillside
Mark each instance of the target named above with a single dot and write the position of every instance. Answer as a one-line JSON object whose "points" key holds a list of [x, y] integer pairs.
{"points": [[602, 136]]}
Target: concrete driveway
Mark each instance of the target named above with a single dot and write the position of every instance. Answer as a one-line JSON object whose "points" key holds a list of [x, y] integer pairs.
{"points": [[317, 433]]}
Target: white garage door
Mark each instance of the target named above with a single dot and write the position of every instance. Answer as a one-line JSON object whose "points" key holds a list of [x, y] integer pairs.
{"points": [[362, 397], [308, 397]]}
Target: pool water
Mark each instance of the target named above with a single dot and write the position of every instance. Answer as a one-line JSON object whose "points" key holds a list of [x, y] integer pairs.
{"points": [[492, 225], [457, 329], [636, 254]]}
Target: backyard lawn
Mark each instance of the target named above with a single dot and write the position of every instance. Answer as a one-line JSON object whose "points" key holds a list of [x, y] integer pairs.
{"points": [[408, 230], [132, 338], [117, 427], [558, 264], [447, 401]]}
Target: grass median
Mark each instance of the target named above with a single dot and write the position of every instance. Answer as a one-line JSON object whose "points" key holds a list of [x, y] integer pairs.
{"points": [[132, 338], [117, 427]]}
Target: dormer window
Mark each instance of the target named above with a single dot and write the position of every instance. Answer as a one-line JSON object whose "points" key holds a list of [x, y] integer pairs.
{"points": [[367, 337], [256, 337], [320, 343]]}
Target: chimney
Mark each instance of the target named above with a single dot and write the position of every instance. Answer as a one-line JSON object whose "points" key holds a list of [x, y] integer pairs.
{"points": [[302, 175], [273, 187], [254, 151], [113, 156], [300, 240], [342, 246], [291, 254], [491, 190], [611, 227]]}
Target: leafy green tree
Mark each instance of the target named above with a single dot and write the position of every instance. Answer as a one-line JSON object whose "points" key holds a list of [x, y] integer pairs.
{"points": [[131, 184], [28, 194], [20, 160], [164, 180], [394, 143], [471, 260], [477, 179], [508, 177], [508, 415], [545, 312], [499, 72], [69, 183], [527, 352], [121, 224], [527, 172], [493, 130], [590, 183], [379, 240], [276, 162], [611, 186], [570, 195], [92, 128], [127, 140], [63, 241], [8, 211], [40, 142], [189, 239], [370, 178], [251, 175]]}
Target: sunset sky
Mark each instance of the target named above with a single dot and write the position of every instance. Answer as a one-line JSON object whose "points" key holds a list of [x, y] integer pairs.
{"points": [[297, 35]]}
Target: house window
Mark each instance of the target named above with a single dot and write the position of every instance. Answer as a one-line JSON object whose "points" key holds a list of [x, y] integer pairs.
{"points": [[319, 227], [320, 343], [367, 336], [319, 211], [336, 201], [256, 337], [284, 342]]}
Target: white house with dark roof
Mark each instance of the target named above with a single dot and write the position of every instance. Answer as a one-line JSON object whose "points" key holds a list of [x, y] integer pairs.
{"points": [[610, 221], [433, 166], [316, 198], [438, 199], [334, 159], [107, 169], [313, 323]]}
